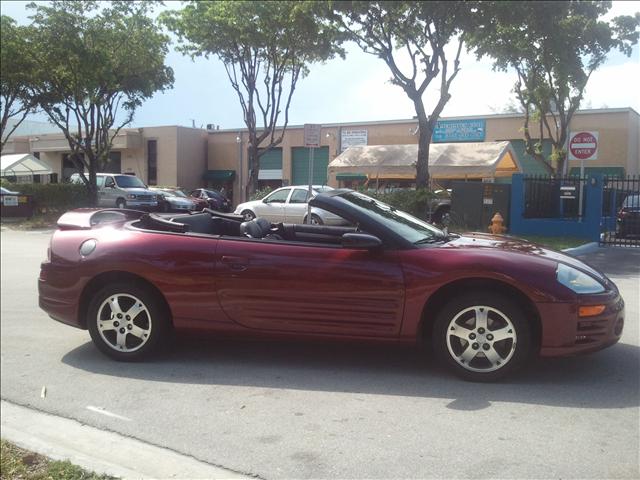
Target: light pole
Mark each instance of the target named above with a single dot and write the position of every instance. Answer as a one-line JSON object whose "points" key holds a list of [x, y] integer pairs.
{"points": [[240, 170]]}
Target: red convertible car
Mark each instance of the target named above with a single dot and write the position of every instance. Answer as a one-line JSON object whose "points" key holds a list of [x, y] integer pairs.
{"points": [[485, 304]]}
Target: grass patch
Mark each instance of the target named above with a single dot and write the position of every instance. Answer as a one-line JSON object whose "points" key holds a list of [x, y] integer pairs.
{"points": [[557, 243], [19, 464]]}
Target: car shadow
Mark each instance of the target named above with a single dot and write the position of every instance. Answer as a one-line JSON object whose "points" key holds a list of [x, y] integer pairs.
{"points": [[607, 379], [615, 261]]}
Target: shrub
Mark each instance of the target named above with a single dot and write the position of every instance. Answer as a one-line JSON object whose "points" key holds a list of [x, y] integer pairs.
{"points": [[261, 193], [415, 202], [57, 197]]}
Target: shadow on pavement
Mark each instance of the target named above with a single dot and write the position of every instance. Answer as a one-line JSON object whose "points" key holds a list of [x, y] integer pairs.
{"points": [[607, 379]]}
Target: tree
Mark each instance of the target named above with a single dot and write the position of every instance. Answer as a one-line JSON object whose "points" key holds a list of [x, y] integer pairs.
{"points": [[266, 48], [16, 75], [554, 47], [419, 31], [97, 65]]}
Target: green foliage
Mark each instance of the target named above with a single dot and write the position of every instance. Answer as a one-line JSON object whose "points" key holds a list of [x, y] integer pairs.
{"points": [[16, 75], [261, 193], [265, 47], [57, 197], [415, 34], [415, 202], [97, 63], [554, 47]]}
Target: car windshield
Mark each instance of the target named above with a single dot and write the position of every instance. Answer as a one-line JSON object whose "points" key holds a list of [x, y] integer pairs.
{"points": [[129, 181], [411, 228], [175, 193]]}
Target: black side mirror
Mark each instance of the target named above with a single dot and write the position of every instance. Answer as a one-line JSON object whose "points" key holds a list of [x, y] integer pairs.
{"points": [[362, 241]]}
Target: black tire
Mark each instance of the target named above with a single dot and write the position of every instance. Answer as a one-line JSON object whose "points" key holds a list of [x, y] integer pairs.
{"points": [[436, 217], [154, 320], [164, 207], [248, 215], [456, 327], [121, 203], [315, 220]]}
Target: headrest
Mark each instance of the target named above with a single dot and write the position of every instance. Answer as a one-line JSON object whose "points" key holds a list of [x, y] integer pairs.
{"points": [[251, 229]]}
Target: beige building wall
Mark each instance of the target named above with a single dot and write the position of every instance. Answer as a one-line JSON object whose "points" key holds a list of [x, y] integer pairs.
{"points": [[191, 157]]}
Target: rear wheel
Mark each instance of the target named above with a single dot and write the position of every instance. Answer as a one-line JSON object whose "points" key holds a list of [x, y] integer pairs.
{"points": [[127, 322], [482, 336], [248, 215]]}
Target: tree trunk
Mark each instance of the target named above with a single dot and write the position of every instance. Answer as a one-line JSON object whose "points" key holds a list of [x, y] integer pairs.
{"points": [[92, 186], [254, 166], [422, 167]]}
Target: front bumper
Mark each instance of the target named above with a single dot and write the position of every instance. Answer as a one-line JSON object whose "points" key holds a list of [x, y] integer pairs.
{"points": [[565, 333]]}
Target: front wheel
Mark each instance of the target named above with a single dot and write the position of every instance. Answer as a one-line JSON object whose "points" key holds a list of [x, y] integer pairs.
{"points": [[127, 322], [121, 203], [315, 220], [482, 336]]}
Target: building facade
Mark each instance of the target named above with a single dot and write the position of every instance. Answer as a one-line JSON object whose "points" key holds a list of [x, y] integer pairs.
{"points": [[618, 145], [167, 155]]}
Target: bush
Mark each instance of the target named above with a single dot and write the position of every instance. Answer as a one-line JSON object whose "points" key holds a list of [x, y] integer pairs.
{"points": [[415, 202], [261, 193], [57, 197]]}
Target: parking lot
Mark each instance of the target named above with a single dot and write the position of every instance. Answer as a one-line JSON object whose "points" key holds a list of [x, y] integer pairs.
{"points": [[282, 410]]}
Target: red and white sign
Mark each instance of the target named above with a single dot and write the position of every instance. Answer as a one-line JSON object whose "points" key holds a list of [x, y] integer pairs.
{"points": [[312, 135], [583, 146]]}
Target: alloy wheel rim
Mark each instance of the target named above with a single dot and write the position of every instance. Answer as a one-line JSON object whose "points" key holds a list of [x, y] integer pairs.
{"points": [[248, 217], [124, 322], [481, 339]]}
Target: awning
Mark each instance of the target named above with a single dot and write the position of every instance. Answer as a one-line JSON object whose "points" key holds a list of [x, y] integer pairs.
{"points": [[606, 171], [219, 175], [446, 160], [23, 164], [350, 177]]}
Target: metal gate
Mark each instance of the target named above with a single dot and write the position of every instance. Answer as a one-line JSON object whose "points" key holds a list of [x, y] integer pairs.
{"points": [[473, 204], [300, 165], [620, 224]]}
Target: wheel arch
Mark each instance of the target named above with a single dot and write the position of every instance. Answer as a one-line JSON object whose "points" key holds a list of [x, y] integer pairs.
{"points": [[446, 292], [105, 278]]}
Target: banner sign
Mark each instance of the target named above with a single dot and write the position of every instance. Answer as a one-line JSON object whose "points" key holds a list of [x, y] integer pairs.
{"points": [[352, 138], [459, 131]]}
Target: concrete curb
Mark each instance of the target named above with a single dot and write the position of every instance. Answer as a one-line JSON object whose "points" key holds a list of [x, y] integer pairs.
{"points": [[98, 450], [582, 249]]}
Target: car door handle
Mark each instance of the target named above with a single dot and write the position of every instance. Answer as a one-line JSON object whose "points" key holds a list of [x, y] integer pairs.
{"points": [[237, 264]]}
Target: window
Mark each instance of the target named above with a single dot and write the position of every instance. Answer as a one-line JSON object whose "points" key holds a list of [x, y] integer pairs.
{"points": [[68, 166], [152, 161], [113, 163], [299, 196], [129, 181], [100, 181], [279, 196], [109, 182]]}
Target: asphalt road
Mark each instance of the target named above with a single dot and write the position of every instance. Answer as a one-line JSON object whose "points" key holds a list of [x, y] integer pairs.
{"points": [[319, 411]]}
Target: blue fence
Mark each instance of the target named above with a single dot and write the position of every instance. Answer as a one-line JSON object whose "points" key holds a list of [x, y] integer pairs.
{"points": [[587, 226]]}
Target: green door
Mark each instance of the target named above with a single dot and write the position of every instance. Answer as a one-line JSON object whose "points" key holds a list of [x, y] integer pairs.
{"points": [[300, 165]]}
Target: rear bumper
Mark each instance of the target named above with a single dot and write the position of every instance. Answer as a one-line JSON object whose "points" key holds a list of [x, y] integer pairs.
{"points": [[565, 333], [59, 298]]}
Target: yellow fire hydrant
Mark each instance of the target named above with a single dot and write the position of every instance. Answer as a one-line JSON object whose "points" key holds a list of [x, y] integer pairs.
{"points": [[497, 225]]}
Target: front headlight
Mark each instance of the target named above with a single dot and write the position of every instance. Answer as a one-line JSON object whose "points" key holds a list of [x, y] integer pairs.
{"points": [[577, 281], [131, 196]]}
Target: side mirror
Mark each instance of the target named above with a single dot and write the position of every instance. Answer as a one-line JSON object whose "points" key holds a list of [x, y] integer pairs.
{"points": [[362, 241]]}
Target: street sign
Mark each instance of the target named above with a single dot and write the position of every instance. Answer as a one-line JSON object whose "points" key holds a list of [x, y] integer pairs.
{"points": [[312, 135], [583, 146], [568, 192]]}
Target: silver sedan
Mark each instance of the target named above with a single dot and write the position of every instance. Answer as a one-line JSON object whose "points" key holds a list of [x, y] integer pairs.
{"points": [[289, 205]]}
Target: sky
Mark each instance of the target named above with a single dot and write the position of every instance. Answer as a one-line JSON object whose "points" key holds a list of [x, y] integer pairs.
{"points": [[358, 88]]}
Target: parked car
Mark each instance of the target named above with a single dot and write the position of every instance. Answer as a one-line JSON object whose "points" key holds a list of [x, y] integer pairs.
{"points": [[628, 220], [289, 204], [215, 199], [484, 303], [173, 200], [122, 191], [5, 191]]}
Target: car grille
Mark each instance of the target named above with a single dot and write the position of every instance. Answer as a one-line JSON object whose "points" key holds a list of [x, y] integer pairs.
{"points": [[146, 198], [590, 331]]}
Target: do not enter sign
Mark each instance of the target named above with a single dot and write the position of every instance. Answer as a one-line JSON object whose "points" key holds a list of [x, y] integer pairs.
{"points": [[583, 146]]}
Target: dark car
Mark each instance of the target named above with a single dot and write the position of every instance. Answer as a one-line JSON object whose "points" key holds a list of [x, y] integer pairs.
{"points": [[628, 220], [216, 200], [485, 304]]}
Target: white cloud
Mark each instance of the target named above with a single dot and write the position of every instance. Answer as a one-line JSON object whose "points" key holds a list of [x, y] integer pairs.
{"points": [[615, 86]]}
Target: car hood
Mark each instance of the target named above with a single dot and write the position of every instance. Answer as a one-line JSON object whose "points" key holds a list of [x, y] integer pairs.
{"points": [[514, 245], [179, 200], [139, 191]]}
